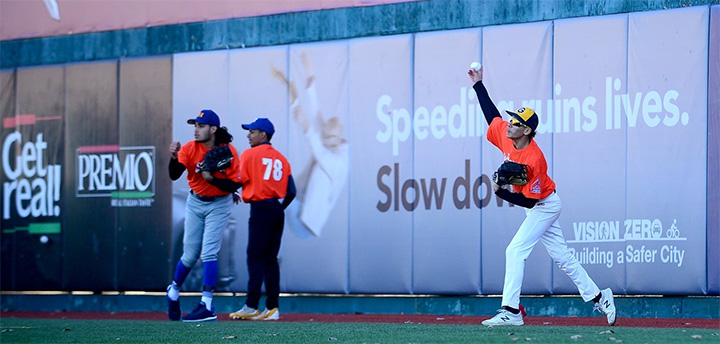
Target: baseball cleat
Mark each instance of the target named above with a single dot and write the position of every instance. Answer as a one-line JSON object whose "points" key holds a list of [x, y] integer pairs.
{"points": [[606, 305], [200, 313], [173, 309], [268, 314], [504, 318], [245, 313]]}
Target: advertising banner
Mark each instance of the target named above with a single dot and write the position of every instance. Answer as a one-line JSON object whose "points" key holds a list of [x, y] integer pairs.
{"points": [[254, 91], [8, 80], [200, 81], [32, 179], [589, 145], [381, 225], [517, 72], [316, 239], [666, 112], [143, 192], [91, 150], [713, 176]]}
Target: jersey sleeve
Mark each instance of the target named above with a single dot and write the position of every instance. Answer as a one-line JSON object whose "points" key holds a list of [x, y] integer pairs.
{"points": [[496, 130], [244, 167]]}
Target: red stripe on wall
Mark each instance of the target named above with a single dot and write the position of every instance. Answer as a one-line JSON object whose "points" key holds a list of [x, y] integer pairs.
{"points": [[99, 149], [18, 120]]}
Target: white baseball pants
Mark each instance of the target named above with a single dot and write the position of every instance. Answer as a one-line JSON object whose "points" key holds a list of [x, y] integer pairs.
{"points": [[542, 223]]}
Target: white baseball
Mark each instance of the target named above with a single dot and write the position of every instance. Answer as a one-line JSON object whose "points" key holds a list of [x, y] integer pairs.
{"points": [[44, 239], [475, 66]]}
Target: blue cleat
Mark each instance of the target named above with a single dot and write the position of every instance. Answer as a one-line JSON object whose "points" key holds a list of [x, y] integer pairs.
{"points": [[200, 313]]}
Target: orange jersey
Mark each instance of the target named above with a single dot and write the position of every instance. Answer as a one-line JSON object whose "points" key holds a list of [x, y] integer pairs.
{"points": [[539, 183], [264, 173], [191, 155]]}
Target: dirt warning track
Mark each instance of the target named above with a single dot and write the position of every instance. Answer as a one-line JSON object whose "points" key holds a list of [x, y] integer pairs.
{"points": [[390, 318]]}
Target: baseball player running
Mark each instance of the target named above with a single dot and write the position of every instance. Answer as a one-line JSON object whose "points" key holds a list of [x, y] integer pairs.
{"points": [[514, 138], [266, 178], [207, 210]]}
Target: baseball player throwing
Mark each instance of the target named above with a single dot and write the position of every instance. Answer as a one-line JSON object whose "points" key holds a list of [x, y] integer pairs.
{"points": [[266, 178], [514, 138], [207, 210]]}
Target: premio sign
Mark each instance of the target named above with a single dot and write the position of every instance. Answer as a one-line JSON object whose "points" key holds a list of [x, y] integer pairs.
{"points": [[124, 174]]}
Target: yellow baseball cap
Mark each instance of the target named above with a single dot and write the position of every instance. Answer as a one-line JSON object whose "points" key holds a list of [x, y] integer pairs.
{"points": [[525, 116]]}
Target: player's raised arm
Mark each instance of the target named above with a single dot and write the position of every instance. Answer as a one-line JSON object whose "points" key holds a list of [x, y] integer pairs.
{"points": [[175, 168], [488, 107]]}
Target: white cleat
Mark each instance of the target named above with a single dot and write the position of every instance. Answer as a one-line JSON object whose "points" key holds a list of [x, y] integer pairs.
{"points": [[245, 313], [268, 314], [606, 305], [504, 318]]}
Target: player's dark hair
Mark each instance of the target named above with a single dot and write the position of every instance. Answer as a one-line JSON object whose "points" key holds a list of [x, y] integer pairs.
{"points": [[269, 137], [532, 135], [222, 136]]}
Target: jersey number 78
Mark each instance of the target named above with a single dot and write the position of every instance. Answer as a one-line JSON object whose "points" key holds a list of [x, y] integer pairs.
{"points": [[274, 167]]}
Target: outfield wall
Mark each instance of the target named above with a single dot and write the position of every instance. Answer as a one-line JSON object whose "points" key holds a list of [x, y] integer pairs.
{"points": [[628, 105]]}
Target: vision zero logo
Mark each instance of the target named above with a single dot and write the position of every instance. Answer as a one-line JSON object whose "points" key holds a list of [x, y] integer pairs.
{"points": [[121, 173]]}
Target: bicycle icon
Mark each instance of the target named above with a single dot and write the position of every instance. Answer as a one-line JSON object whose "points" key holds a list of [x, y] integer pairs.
{"points": [[673, 232]]}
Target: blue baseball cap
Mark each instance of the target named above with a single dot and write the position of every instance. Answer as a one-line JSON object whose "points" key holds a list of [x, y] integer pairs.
{"points": [[206, 117], [263, 124]]}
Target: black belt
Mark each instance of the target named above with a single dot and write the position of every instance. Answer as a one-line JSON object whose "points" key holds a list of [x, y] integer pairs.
{"points": [[205, 198]]}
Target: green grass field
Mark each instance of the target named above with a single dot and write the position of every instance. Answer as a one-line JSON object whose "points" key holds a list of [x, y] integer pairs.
{"points": [[127, 331]]}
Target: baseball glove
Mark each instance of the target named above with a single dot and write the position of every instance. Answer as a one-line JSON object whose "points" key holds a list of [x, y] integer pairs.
{"points": [[217, 159], [510, 173]]}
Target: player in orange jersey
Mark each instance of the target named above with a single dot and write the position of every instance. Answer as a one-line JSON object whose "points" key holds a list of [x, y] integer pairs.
{"points": [[207, 211], [514, 138], [266, 178]]}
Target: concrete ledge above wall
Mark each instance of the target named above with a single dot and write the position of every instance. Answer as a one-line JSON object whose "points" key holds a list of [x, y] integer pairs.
{"points": [[311, 26]]}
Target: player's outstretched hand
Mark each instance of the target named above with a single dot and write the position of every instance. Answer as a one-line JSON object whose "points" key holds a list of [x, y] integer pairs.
{"points": [[475, 76]]}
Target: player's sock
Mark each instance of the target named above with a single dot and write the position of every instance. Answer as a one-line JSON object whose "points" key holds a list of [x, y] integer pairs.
{"points": [[181, 273], [209, 279], [206, 298], [512, 310], [210, 274], [173, 292], [596, 299]]}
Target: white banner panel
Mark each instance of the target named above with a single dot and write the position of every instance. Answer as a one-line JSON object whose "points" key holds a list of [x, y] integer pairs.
{"points": [[666, 111], [589, 145], [200, 81], [253, 93], [713, 176], [517, 72], [315, 244], [381, 227], [446, 155]]}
